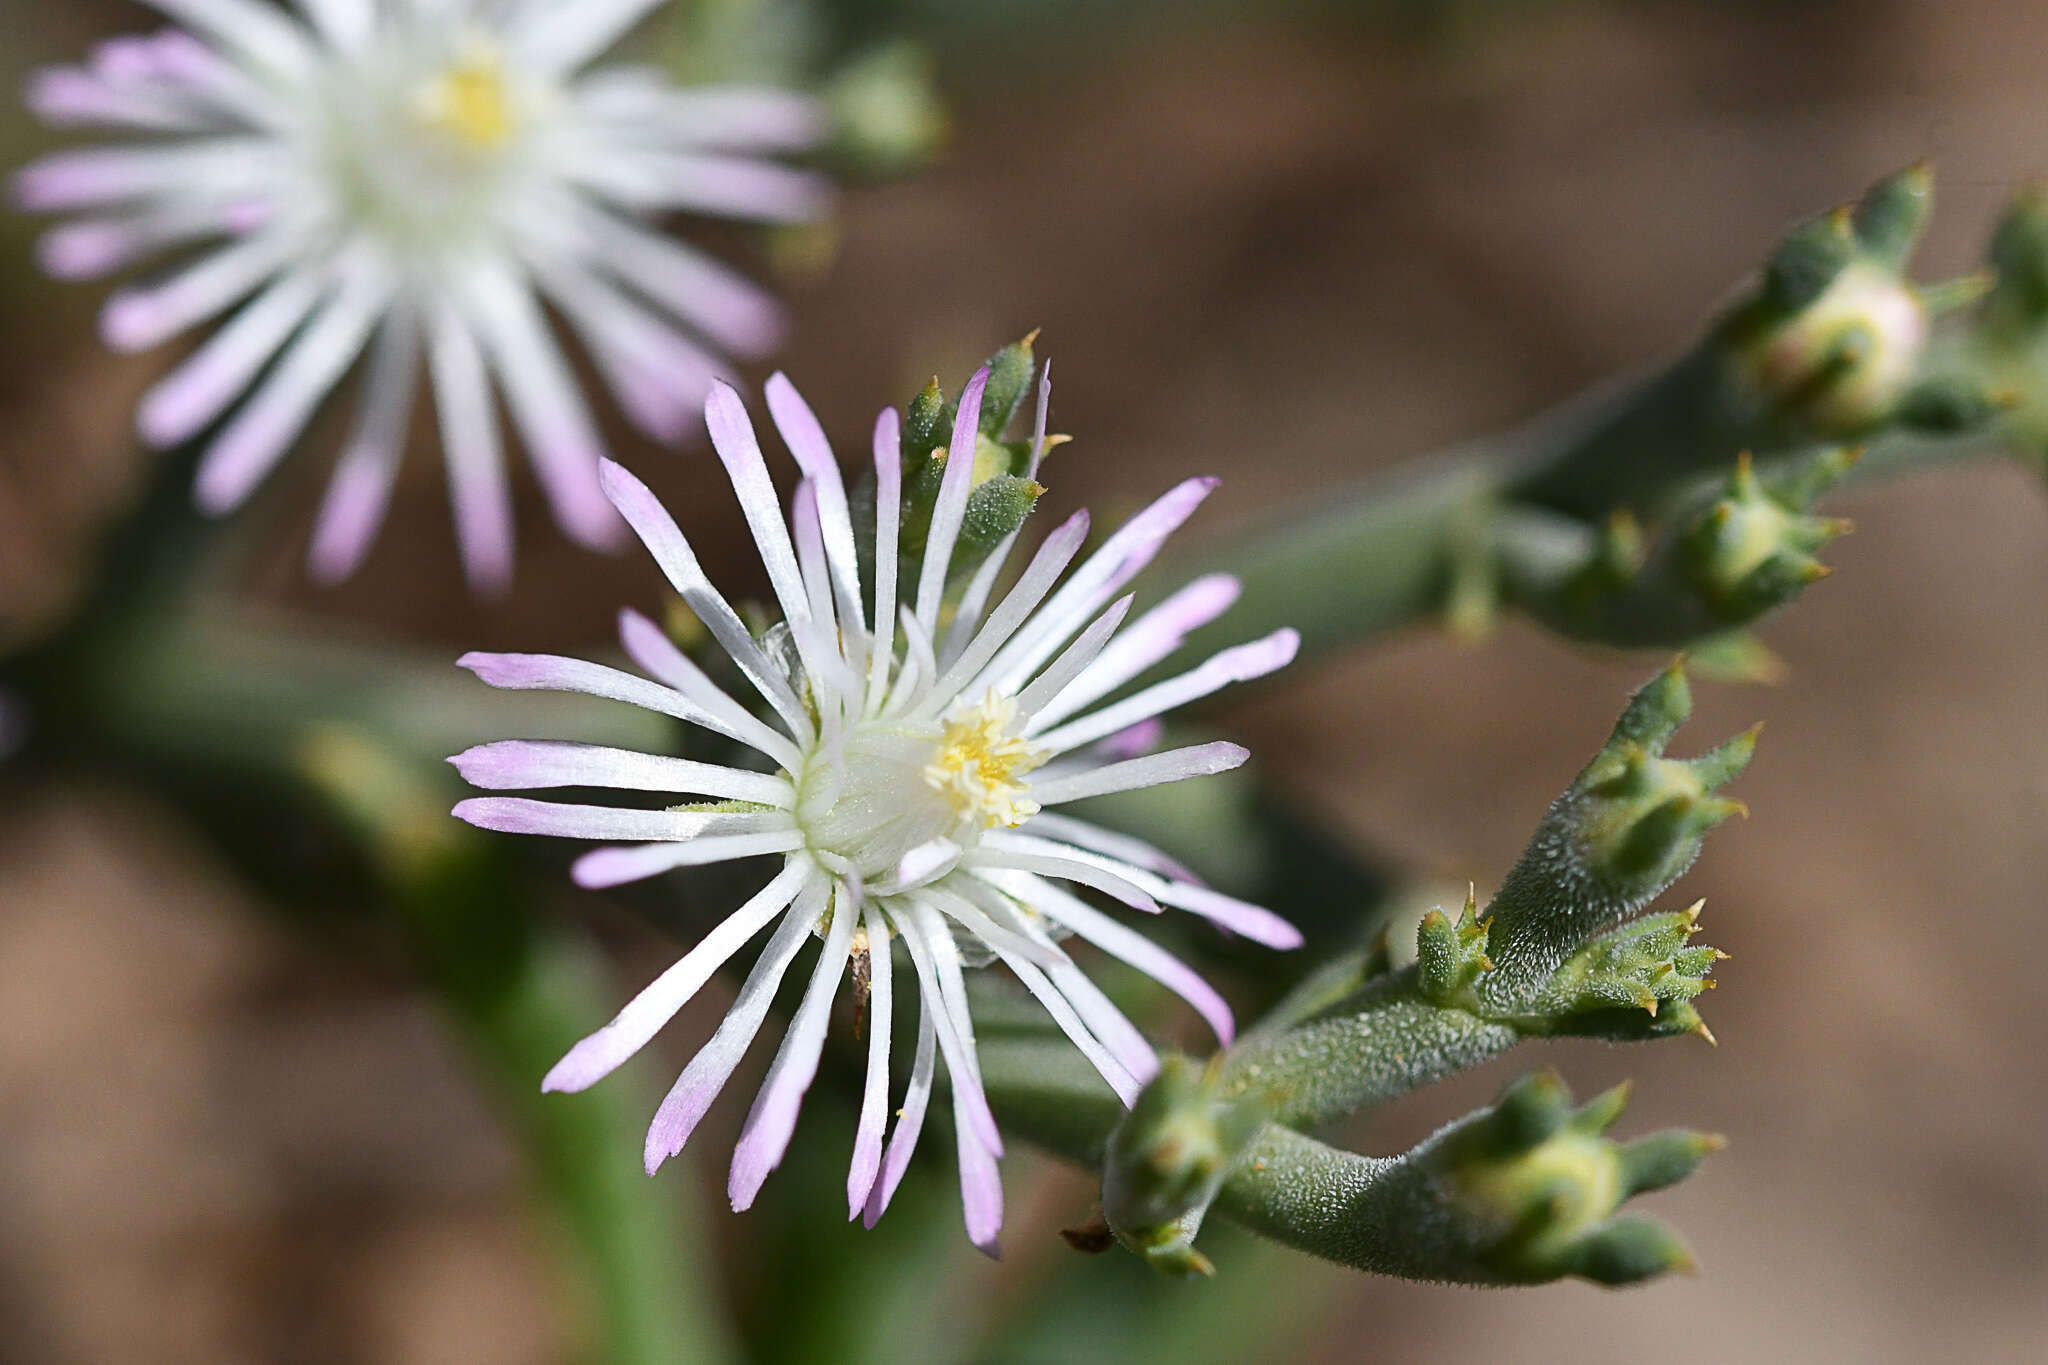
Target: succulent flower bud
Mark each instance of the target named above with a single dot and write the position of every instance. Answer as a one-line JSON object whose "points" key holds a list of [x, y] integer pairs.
{"points": [[1168, 1158], [1629, 825], [1538, 1185], [1753, 548]]}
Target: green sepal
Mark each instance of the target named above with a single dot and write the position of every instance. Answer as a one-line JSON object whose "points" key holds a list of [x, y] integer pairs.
{"points": [[1890, 218], [1806, 261], [1009, 379], [1450, 955]]}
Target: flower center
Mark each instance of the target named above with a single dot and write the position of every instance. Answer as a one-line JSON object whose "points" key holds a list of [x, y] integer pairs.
{"points": [[888, 787], [423, 140], [470, 103], [981, 765]]}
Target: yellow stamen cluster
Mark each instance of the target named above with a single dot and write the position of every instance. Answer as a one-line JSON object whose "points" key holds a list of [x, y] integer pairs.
{"points": [[471, 102], [981, 765]]}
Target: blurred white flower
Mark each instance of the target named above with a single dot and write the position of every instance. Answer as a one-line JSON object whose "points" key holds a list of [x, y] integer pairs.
{"points": [[401, 177], [916, 776]]}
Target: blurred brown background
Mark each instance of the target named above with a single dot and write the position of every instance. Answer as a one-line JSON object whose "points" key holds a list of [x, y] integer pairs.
{"points": [[1289, 253]]}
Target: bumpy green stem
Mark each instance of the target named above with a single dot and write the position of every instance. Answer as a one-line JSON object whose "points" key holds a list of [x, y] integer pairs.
{"points": [[1517, 1194]]}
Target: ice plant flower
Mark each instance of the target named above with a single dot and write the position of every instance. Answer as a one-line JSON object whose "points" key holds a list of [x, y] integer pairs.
{"points": [[408, 177], [917, 776]]}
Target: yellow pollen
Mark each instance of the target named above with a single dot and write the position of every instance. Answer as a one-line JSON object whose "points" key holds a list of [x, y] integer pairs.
{"points": [[471, 103], [981, 764]]}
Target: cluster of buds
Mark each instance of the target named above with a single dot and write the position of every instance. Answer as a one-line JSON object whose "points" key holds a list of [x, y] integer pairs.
{"points": [[1752, 550], [1005, 487], [1834, 336], [1526, 1191], [1627, 828], [1634, 982]]}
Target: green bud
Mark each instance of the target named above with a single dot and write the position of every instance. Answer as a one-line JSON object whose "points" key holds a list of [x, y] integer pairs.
{"points": [[1752, 549], [1539, 1185], [1633, 983], [2018, 302], [1009, 379], [886, 114], [1450, 956], [1625, 829], [927, 428], [1168, 1158]]}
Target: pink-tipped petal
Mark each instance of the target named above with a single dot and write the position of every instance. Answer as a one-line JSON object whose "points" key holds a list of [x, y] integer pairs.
{"points": [[604, 1051]]}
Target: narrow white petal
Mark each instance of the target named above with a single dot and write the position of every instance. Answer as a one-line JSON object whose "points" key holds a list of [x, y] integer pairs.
{"points": [[553, 673], [1153, 636], [651, 648], [1074, 659], [659, 376], [345, 24], [729, 310], [977, 920], [553, 38], [765, 1137], [258, 436], [874, 1100], [888, 520], [544, 399], [732, 436], [188, 399], [642, 104], [136, 319], [1066, 866], [1253, 921], [664, 540], [562, 820], [1070, 1023], [950, 509], [93, 177], [931, 947], [1240, 664], [361, 487], [478, 493], [530, 764], [1100, 578], [1121, 942], [1122, 846], [806, 440], [607, 867], [910, 1115], [256, 33], [1045, 568], [713, 1065], [653, 181], [981, 1185], [1152, 770], [598, 1055], [69, 97]]}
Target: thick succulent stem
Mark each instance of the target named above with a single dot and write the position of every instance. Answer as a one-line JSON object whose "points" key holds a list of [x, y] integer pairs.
{"points": [[1518, 1194]]}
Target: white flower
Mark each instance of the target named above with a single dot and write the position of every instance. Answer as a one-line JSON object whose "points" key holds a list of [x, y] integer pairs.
{"points": [[915, 795], [405, 177]]}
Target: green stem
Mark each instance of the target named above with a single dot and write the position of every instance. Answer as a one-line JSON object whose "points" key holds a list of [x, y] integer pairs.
{"points": [[1387, 1043]]}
